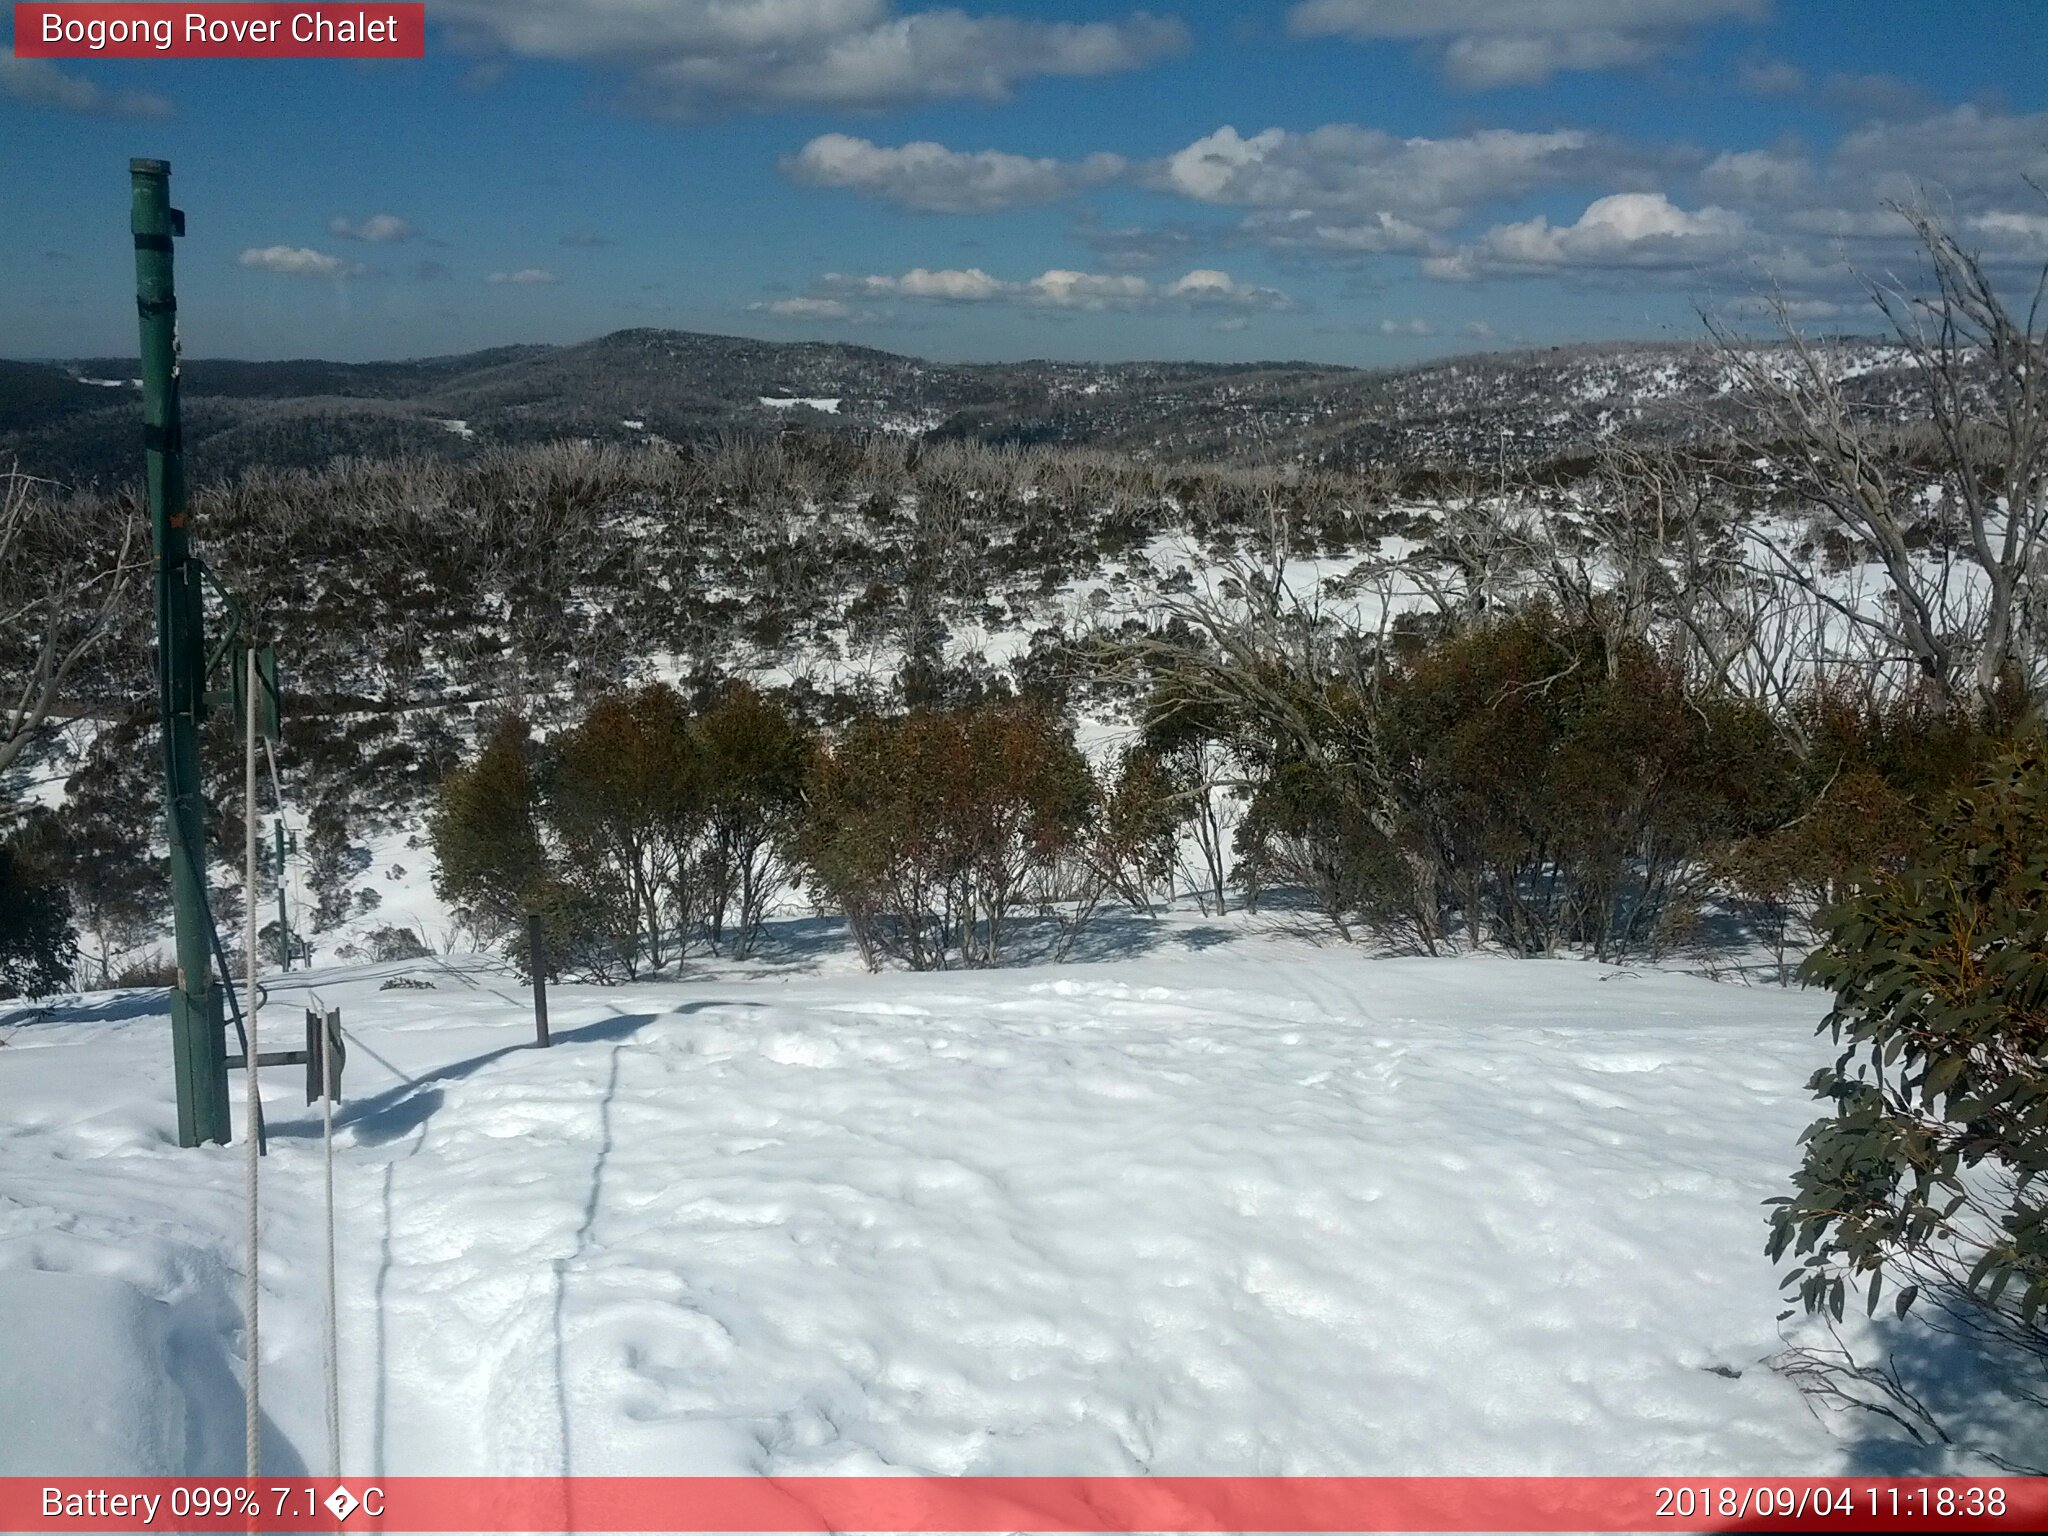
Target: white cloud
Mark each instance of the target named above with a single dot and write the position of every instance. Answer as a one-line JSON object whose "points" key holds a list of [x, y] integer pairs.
{"points": [[802, 308], [1134, 246], [1416, 326], [1769, 77], [1483, 62], [933, 178], [807, 309], [1062, 288], [2018, 229], [1966, 152], [1486, 43], [1342, 168], [717, 54], [1208, 287], [39, 83], [1640, 230], [523, 277], [1380, 234], [298, 261], [1758, 176], [377, 229]]}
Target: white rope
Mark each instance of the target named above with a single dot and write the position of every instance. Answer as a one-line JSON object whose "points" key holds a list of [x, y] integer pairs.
{"points": [[294, 907], [252, 1416], [333, 1324], [332, 1362]]}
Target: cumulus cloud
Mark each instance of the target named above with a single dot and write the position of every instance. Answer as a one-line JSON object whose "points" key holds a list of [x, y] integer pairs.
{"points": [[39, 83], [1481, 44], [298, 261], [522, 278], [1416, 326], [1062, 288], [1345, 169], [696, 58], [932, 178], [1639, 230], [377, 229]]}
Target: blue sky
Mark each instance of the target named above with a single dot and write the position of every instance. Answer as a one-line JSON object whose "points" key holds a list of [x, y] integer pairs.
{"points": [[1357, 181]]}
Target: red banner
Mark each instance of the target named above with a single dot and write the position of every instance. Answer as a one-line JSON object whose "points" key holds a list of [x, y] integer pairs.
{"points": [[1053, 1504], [212, 30]]}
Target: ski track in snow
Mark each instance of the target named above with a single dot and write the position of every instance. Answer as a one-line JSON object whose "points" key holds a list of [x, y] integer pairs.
{"points": [[1253, 1207]]}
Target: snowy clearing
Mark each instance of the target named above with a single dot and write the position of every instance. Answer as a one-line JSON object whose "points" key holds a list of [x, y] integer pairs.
{"points": [[1225, 1201]]}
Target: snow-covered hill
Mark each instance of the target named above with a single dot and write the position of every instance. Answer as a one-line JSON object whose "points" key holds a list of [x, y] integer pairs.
{"points": [[1220, 1201]]}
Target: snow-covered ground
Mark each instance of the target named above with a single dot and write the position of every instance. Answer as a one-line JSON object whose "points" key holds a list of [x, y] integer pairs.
{"points": [[1221, 1200]]}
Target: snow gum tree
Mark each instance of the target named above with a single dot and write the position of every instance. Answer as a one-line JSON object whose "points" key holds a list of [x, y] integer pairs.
{"points": [[1931, 1169], [927, 831], [753, 759], [487, 847]]}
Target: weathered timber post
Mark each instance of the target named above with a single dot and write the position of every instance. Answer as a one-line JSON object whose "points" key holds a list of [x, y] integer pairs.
{"points": [[537, 961]]}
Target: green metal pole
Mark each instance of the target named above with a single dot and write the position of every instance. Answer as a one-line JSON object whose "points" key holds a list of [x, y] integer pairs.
{"points": [[284, 932], [198, 1051]]}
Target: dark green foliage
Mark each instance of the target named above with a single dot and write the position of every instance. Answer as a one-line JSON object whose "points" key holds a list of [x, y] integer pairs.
{"points": [[37, 945], [636, 834], [1135, 829], [927, 831], [1302, 829], [752, 760], [1533, 782], [113, 861], [332, 863], [1857, 797], [486, 840], [623, 802], [1931, 1171]]}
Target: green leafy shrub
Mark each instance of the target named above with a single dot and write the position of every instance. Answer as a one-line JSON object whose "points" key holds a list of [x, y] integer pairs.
{"points": [[1931, 1170], [37, 944]]}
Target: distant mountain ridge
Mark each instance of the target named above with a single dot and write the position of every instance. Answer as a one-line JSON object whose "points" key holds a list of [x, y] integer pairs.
{"points": [[77, 421]]}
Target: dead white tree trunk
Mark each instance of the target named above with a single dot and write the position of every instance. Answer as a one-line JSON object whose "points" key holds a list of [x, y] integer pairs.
{"points": [[65, 575]]}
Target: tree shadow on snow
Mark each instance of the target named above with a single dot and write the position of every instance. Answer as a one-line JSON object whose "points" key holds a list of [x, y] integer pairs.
{"points": [[1975, 1390], [102, 1008], [406, 1107], [1119, 935]]}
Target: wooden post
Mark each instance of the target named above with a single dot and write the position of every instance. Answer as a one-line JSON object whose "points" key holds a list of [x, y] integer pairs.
{"points": [[537, 962]]}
